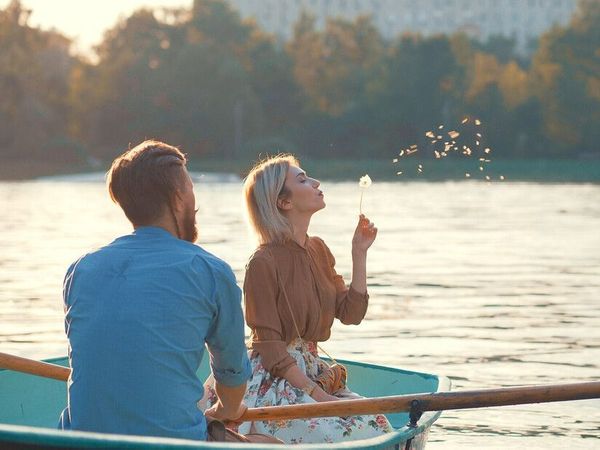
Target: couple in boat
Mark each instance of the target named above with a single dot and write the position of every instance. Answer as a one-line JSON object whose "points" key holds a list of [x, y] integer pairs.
{"points": [[141, 310]]}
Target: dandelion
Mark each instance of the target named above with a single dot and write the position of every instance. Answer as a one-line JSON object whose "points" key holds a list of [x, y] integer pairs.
{"points": [[363, 184]]}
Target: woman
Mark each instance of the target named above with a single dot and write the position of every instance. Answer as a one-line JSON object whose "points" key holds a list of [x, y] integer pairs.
{"points": [[292, 295]]}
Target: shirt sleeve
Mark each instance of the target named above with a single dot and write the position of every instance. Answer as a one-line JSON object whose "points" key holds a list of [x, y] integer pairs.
{"points": [[350, 305], [228, 355], [260, 298]]}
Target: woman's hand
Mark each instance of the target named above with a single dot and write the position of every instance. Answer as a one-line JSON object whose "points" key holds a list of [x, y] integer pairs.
{"points": [[364, 235], [321, 396]]}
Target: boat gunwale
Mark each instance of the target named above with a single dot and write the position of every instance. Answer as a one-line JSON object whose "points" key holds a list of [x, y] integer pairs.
{"points": [[24, 434]]}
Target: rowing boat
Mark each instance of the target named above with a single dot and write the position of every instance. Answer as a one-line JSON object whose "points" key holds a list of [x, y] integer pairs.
{"points": [[31, 405]]}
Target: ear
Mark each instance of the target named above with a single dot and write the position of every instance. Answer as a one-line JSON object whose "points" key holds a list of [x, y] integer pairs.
{"points": [[284, 204]]}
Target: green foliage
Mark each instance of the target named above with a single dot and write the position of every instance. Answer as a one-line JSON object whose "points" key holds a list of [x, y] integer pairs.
{"points": [[34, 69], [223, 89]]}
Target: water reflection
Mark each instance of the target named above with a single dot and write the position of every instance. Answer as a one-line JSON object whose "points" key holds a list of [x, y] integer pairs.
{"points": [[491, 285]]}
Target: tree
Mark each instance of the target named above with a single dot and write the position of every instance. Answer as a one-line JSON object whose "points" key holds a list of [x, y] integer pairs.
{"points": [[34, 72], [566, 76]]}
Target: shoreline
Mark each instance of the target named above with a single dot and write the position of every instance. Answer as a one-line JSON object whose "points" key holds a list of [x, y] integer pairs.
{"points": [[346, 169]]}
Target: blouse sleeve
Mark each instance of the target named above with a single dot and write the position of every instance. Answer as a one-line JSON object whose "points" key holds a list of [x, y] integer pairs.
{"points": [[350, 305], [260, 299]]}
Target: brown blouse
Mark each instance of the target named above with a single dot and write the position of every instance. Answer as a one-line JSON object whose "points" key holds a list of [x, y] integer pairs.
{"points": [[316, 293]]}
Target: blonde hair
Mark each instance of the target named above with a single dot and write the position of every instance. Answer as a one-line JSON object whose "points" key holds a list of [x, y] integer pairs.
{"points": [[263, 186]]}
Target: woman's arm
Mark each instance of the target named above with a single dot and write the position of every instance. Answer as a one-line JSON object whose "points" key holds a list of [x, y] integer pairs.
{"points": [[298, 379], [262, 315], [364, 235]]}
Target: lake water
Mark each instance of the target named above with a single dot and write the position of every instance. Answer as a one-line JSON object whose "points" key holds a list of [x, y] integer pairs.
{"points": [[489, 284]]}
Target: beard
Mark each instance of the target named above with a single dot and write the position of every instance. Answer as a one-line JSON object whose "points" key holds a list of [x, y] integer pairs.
{"points": [[190, 230]]}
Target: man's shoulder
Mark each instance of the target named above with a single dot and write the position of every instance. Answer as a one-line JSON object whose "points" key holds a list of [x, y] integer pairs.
{"points": [[202, 258]]}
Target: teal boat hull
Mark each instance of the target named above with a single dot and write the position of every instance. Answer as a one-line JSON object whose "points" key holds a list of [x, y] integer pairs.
{"points": [[30, 407]]}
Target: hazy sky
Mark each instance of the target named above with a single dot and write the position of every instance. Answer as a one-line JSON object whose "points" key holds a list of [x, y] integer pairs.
{"points": [[85, 20]]}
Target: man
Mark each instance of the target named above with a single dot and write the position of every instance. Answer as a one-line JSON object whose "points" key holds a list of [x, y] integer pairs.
{"points": [[140, 310]]}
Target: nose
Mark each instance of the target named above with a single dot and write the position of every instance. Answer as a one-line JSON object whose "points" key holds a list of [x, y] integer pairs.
{"points": [[316, 183]]}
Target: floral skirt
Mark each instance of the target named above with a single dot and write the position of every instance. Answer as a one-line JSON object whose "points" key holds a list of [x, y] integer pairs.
{"points": [[265, 390]]}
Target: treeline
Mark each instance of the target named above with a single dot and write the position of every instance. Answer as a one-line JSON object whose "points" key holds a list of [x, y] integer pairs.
{"points": [[220, 87]]}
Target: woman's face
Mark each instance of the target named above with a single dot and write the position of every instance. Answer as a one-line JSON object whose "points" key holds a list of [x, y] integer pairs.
{"points": [[303, 193]]}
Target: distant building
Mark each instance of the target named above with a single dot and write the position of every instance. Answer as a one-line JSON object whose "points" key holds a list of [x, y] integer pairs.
{"points": [[522, 20]]}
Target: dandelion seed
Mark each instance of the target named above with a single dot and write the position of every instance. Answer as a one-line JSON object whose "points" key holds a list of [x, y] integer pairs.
{"points": [[487, 150], [487, 160], [413, 146], [430, 134], [437, 154], [411, 151], [502, 177], [465, 120], [477, 122], [401, 153], [440, 127], [481, 159], [395, 160], [487, 177], [481, 168], [420, 166], [444, 154], [455, 148], [453, 134], [439, 137], [478, 134], [398, 173], [467, 175], [476, 142], [434, 141]]}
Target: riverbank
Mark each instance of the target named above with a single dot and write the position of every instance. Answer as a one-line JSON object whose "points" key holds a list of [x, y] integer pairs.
{"points": [[551, 171]]}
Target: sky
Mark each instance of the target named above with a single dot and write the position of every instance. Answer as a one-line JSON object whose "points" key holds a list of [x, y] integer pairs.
{"points": [[86, 20]]}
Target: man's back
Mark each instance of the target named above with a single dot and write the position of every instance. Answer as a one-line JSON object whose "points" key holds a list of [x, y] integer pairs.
{"points": [[138, 314]]}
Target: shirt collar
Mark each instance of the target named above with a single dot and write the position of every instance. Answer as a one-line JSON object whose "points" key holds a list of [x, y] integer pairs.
{"points": [[151, 231]]}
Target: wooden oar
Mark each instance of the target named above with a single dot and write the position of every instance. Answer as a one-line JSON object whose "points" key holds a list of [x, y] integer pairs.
{"points": [[430, 402], [379, 405], [34, 367]]}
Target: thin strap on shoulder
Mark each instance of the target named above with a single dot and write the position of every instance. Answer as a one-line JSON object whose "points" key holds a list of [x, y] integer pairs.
{"points": [[287, 301]]}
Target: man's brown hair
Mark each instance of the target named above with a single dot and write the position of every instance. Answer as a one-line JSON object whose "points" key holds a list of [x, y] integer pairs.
{"points": [[143, 181]]}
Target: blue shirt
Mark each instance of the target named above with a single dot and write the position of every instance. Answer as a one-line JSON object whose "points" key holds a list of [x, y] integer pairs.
{"points": [[138, 314]]}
